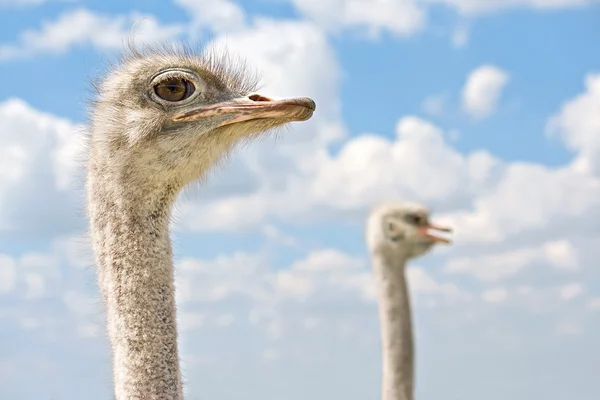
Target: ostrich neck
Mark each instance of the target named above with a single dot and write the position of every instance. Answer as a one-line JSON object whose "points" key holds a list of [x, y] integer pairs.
{"points": [[130, 233], [396, 328]]}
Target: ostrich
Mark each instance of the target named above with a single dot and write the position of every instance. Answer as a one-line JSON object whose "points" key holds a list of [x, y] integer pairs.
{"points": [[161, 119], [395, 233]]}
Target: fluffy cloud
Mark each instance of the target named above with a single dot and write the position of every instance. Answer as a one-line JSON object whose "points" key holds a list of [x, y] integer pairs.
{"points": [[490, 200], [321, 275], [483, 89], [490, 268], [398, 17], [474, 7], [460, 36], [36, 281], [404, 18], [578, 124], [250, 276], [20, 3], [366, 169], [298, 61], [570, 291], [8, 273], [510, 219], [434, 104], [82, 27], [39, 170], [216, 15], [530, 201], [41, 152], [494, 295]]}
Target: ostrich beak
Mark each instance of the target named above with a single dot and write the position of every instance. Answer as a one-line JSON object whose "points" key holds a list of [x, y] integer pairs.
{"points": [[253, 107], [431, 232]]}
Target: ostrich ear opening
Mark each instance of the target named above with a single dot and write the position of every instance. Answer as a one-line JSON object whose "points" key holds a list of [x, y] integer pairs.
{"points": [[393, 229]]}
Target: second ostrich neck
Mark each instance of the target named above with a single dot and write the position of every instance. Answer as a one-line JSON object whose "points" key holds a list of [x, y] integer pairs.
{"points": [[130, 232], [396, 327]]}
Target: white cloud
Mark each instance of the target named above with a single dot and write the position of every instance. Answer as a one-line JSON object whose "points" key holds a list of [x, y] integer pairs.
{"points": [[292, 285], [81, 27], [88, 330], [225, 319], [434, 104], [594, 304], [561, 254], [218, 279], [491, 201], [38, 161], [483, 89], [81, 304], [578, 123], [494, 295], [8, 273], [248, 283], [77, 251], [49, 296], [398, 17], [493, 205], [218, 15], [277, 236], [30, 276], [422, 282], [298, 61], [21, 3], [474, 7], [327, 259], [302, 296], [570, 291], [35, 285], [369, 168], [497, 266], [460, 36], [528, 200], [321, 276], [249, 275], [322, 270], [188, 321], [569, 329]]}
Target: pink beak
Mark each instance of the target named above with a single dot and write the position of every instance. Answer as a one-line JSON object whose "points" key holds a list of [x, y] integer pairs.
{"points": [[254, 107], [429, 232]]}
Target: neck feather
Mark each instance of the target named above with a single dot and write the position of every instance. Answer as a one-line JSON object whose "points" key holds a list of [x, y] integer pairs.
{"points": [[396, 327], [130, 233]]}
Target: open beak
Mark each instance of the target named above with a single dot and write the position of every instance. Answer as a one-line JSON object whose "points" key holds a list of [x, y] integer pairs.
{"points": [[253, 107], [434, 233]]}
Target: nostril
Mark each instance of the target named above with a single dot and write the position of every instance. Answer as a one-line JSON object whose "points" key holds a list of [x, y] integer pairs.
{"points": [[258, 97]]}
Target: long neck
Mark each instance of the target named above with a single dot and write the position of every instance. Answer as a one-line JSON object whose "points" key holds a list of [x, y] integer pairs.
{"points": [[135, 273], [396, 327]]}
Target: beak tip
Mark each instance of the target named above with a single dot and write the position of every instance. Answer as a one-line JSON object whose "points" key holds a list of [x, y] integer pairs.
{"points": [[311, 104]]}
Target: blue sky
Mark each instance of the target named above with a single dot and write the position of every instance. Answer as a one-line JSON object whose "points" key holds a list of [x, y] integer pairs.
{"points": [[485, 111]]}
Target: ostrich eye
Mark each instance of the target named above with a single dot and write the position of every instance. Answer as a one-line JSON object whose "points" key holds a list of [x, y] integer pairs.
{"points": [[414, 219], [174, 89]]}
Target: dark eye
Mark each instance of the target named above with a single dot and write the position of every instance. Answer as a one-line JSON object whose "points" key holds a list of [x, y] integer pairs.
{"points": [[174, 89], [414, 219]]}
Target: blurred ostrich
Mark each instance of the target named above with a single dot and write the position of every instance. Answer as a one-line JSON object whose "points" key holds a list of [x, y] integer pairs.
{"points": [[161, 119], [395, 233]]}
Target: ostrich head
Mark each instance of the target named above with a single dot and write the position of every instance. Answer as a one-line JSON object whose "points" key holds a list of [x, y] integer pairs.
{"points": [[402, 230], [164, 117]]}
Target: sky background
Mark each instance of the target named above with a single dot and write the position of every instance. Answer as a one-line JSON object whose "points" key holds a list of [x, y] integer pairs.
{"points": [[486, 111]]}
